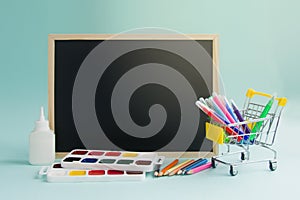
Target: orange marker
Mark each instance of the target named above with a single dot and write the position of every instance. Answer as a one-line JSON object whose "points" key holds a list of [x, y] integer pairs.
{"points": [[172, 164]]}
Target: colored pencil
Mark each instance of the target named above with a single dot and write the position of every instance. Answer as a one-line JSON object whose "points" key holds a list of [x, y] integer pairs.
{"points": [[181, 167], [172, 164], [156, 172], [201, 162], [181, 170], [200, 168], [175, 167]]}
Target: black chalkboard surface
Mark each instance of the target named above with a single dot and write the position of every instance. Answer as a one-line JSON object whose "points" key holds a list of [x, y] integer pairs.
{"points": [[131, 93]]}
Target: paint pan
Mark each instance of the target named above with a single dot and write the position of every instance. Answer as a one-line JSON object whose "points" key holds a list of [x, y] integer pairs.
{"points": [[111, 160], [56, 173]]}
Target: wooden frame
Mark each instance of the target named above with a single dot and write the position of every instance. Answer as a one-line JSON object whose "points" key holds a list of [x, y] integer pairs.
{"points": [[51, 46]]}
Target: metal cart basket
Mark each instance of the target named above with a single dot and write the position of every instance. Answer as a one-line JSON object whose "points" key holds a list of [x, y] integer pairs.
{"points": [[263, 137]]}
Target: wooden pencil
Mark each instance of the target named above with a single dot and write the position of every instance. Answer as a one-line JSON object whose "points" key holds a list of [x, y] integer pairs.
{"points": [[156, 172], [175, 167], [181, 170], [200, 168], [172, 164], [181, 167]]}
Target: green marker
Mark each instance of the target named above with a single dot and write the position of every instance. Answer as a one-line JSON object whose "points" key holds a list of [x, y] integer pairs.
{"points": [[262, 115]]}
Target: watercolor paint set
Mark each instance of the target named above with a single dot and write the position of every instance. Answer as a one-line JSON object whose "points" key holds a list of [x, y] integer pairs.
{"points": [[111, 160], [56, 173]]}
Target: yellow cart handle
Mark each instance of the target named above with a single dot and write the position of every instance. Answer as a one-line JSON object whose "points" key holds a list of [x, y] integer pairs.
{"points": [[281, 101]]}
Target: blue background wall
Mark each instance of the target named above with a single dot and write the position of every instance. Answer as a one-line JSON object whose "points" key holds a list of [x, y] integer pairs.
{"points": [[258, 45], [258, 48]]}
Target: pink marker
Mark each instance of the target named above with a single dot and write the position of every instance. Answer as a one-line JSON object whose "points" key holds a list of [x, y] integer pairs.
{"points": [[200, 168], [212, 115], [223, 108]]}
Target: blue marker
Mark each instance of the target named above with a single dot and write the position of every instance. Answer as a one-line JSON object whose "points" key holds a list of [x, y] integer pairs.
{"points": [[227, 122], [217, 109], [227, 105]]}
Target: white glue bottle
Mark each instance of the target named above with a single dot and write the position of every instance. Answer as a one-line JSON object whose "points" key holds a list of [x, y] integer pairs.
{"points": [[41, 143]]}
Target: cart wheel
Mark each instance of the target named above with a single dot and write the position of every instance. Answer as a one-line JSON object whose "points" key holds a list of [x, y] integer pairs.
{"points": [[213, 163], [243, 156], [273, 165], [233, 171]]}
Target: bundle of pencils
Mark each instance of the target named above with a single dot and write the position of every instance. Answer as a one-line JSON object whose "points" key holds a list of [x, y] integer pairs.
{"points": [[183, 168]]}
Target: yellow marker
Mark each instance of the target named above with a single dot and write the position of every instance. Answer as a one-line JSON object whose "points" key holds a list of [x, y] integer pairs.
{"points": [[77, 173], [130, 154]]}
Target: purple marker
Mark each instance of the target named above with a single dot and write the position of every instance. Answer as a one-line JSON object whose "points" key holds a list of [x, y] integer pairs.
{"points": [[241, 119]]}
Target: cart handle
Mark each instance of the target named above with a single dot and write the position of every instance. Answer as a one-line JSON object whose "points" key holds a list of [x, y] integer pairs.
{"points": [[281, 101]]}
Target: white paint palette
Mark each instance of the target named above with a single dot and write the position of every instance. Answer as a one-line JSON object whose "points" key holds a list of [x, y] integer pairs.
{"points": [[56, 173], [111, 160]]}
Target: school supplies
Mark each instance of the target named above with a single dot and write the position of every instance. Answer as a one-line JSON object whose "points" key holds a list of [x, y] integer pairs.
{"points": [[241, 119], [172, 164], [212, 115], [119, 160], [200, 168], [227, 105], [194, 165], [222, 107], [41, 142], [175, 167], [82, 165], [216, 108], [56, 173], [266, 119], [181, 167], [263, 115], [157, 168]]}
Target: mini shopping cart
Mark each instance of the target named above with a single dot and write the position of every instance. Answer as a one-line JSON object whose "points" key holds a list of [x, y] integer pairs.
{"points": [[263, 137]]}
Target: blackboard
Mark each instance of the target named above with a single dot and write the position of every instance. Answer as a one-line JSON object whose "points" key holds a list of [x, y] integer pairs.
{"points": [[133, 92]]}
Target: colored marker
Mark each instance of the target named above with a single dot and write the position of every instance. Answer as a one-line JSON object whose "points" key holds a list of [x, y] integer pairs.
{"points": [[201, 162], [222, 107], [241, 119], [200, 168], [227, 105], [172, 164], [224, 118], [181, 167], [217, 108], [212, 115], [209, 104], [175, 167], [202, 101], [262, 115], [227, 123]]}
